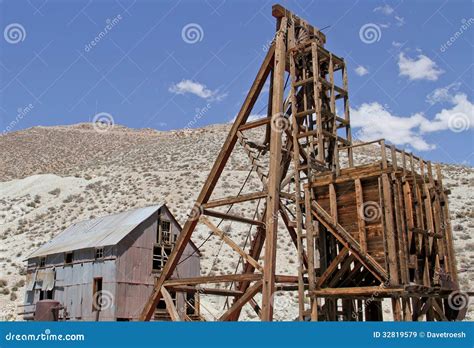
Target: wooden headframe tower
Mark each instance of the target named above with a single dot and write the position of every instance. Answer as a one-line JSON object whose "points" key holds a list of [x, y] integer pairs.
{"points": [[362, 233]]}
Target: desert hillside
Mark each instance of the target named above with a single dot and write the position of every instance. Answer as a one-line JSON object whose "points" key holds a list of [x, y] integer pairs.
{"points": [[51, 177]]}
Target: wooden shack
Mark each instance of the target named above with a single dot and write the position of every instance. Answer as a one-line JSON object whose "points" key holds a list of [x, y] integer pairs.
{"points": [[102, 269]]}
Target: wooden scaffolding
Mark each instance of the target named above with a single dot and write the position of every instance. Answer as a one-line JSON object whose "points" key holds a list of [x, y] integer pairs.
{"points": [[362, 232]]}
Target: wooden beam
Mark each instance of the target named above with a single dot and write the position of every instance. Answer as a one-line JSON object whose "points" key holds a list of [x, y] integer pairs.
{"points": [[274, 175], [341, 272], [375, 291], [393, 265], [253, 124], [293, 233], [225, 278], [170, 307], [332, 267], [218, 214], [205, 291], [360, 214], [231, 243], [310, 241], [280, 12], [235, 199], [347, 240], [237, 305]]}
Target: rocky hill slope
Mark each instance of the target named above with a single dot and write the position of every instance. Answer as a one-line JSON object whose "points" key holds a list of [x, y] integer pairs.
{"points": [[51, 177]]}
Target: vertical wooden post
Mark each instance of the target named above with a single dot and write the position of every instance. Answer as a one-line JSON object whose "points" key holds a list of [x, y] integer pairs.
{"points": [[393, 152], [311, 252], [360, 214], [296, 162], [397, 309], [404, 162], [317, 101], [384, 154], [273, 198], [345, 85], [332, 107], [390, 230]]}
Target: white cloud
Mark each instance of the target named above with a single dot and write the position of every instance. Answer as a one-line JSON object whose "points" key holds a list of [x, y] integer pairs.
{"points": [[196, 88], [458, 118], [375, 121], [443, 94], [420, 68], [386, 9], [361, 70]]}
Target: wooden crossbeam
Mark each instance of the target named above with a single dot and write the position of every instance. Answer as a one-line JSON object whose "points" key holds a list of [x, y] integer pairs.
{"points": [[256, 123], [205, 291], [348, 241], [225, 278], [341, 272], [170, 307], [220, 215], [235, 199], [231, 243], [237, 305], [332, 267], [362, 291]]}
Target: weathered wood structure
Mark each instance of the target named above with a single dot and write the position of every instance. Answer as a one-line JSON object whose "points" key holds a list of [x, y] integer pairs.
{"points": [[362, 232], [102, 269]]}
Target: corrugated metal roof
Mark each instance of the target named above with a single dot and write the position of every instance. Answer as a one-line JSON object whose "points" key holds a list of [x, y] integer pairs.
{"points": [[99, 232]]}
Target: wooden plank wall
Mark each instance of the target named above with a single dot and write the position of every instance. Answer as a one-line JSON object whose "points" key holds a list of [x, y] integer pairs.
{"points": [[400, 217]]}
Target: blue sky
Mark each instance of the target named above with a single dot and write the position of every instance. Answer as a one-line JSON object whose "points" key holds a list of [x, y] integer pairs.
{"points": [[169, 65]]}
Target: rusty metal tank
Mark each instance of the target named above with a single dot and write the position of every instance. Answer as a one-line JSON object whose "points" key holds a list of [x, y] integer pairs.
{"points": [[47, 310]]}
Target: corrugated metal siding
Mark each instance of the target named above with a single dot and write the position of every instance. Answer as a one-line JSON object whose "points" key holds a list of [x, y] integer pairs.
{"points": [[135, 275], [74, 288]]}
